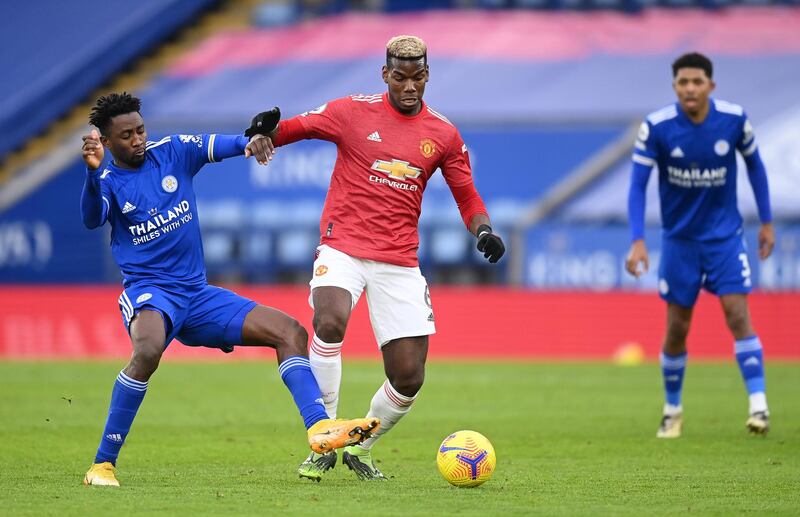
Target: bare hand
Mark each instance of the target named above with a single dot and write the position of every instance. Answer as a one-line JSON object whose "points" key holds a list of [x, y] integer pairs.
{"points": [[92, 150], [261, 148], [637, 255], [766, 240]]}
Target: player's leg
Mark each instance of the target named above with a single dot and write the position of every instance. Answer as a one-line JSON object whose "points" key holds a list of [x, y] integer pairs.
{"points": [[402, 318], [148, 333], [679, 284], [220, 318], [265, 326], [336, 285], [148, 336], [750, 357], [673, 365], [332, 307], [404, 364], [729, 277]]}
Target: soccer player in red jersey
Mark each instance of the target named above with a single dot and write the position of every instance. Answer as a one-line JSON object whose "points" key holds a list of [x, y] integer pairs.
{"points": [[389, 145]]}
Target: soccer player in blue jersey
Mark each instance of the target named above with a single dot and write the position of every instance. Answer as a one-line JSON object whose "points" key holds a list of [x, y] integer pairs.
{"points": [[694, 142], [145, 193]]}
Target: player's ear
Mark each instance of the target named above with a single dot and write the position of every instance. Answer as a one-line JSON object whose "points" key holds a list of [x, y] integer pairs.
{"points": [[385, 74], [104, 141], [427, 72], [712, 85]]}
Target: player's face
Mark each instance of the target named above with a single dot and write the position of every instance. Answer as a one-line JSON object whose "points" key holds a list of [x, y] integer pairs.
{"points": [[126, 139], [693, 87], [406, 81]]}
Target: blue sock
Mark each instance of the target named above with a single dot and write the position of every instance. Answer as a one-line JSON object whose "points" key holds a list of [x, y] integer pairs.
{"points": [[298, 377], [126, 397], [750, 357], [672, 367]]}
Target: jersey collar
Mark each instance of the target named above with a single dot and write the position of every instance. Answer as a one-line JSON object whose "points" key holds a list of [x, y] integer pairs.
{"points": [[712, 109]]}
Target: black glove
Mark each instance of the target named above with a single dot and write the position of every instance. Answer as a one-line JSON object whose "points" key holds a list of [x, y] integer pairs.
{"points": [[264, 123], [490, 244]]}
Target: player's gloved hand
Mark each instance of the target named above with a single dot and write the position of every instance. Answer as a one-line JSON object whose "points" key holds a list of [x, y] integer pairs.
{"points": [[264, 123], [490, 244]]}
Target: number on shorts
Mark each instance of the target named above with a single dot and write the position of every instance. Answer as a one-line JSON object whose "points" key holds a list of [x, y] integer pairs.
{"points": [[745, 265]]}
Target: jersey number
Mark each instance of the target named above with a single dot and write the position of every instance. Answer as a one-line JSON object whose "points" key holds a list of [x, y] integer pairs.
{"points": [[745, 265]]}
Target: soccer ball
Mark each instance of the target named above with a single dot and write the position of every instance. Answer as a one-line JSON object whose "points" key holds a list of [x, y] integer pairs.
{"points": [[466, 458]]}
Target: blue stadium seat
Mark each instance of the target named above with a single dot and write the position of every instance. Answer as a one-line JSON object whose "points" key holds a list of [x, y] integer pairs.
{"points": [[71, 49]]}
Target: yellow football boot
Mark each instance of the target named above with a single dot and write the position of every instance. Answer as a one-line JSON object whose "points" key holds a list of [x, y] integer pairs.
{"points": [[327, 435], [101, 474]]}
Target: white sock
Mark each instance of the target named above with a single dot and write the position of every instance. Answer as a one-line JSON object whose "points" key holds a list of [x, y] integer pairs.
{"points": [[670, 410], [758, 402], [326, 363], [390, 406]]}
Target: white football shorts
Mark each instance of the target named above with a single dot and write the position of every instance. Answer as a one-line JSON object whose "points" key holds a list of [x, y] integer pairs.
{"points": [[398, 297]]}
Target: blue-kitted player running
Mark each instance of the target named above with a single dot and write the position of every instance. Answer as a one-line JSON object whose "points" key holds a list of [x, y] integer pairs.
{"points": [[694, 142], [146, 195]]}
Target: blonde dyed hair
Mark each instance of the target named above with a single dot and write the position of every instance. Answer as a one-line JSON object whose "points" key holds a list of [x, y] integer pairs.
{"points": [[406, 47]]}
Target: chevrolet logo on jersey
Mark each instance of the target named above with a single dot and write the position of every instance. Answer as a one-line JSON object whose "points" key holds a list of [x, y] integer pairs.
{"points": [[396, 169]]}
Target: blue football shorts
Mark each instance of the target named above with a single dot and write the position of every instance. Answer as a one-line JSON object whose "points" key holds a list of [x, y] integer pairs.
{"points": [[207, 315], [720, 267]]}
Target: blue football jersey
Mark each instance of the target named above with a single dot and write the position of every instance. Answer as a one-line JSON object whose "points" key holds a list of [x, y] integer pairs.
{"points": [[696, 168], [155, 232]]}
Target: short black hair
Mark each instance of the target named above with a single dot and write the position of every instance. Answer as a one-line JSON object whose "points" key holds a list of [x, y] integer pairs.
{"points": [[389, 58], [693, 60], [111, 105]]}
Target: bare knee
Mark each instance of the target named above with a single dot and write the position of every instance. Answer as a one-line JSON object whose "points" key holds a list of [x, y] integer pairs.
{"points": [[675, 341], [329, 327], [145, 359], [739, 323], [148, 334], [292, 340], [677, 331], [408, 382]]}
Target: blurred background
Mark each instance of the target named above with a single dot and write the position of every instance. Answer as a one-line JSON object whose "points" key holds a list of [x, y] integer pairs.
{"points": [[547, 95]]}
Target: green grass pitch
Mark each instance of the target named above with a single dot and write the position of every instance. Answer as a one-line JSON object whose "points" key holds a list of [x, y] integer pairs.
{"points": [[571, 439]]}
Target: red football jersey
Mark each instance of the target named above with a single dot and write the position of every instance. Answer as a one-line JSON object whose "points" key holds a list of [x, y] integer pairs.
{"points": [[383, 164]]}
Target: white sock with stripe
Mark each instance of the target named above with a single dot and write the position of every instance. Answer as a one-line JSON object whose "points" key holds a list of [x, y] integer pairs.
{"points": [[326, 363], [390, 406]]}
